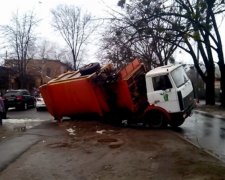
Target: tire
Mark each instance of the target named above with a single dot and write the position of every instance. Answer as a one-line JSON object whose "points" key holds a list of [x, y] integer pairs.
{"points": [[155, 119], [25, 106], [6, 109], [177, 122], [89, 69], [18, 107], [33, 104], [4, 116]]}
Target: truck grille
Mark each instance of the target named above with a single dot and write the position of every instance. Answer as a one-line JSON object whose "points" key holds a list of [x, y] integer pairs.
{"points": [[188, 100]]}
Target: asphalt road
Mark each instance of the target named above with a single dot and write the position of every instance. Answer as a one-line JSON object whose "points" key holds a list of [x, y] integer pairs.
{"points": [[95, 150], [29, 114], [207, 133], [21, 120]]}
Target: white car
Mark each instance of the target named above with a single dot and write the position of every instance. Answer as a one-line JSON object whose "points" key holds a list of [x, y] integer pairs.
{"points": [[40, 104]]}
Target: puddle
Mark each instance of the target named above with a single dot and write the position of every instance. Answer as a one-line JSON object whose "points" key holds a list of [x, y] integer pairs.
{"points": [[21, 124]]}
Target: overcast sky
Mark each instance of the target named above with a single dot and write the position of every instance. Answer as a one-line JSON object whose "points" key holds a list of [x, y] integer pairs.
{"points": [[42, 9]]}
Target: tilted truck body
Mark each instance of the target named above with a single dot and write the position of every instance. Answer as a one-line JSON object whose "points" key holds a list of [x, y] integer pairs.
{"points": [[159, 97]]}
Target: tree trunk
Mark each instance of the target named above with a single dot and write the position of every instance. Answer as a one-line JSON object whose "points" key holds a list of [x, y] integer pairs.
{"points": [[22, 81], [210, 88], [74, 60], [222, 85]]}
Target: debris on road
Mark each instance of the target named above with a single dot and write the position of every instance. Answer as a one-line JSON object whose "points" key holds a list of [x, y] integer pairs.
{"points": [[71, 131], [101, 131]]}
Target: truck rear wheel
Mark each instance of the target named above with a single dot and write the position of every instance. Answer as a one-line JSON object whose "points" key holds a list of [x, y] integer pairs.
{"points": [[155, 119], [89, 68], [177, 122]]}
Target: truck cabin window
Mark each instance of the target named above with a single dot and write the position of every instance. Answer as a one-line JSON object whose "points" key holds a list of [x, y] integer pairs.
{"points": [[161, 83], [179, 76]]}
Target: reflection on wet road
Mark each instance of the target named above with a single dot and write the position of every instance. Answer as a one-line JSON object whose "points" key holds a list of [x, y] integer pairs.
{"points": [[206, 132], [20, 121]]}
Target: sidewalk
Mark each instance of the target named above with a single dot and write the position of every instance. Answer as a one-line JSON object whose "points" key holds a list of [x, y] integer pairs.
{"points": [[211, 111]]}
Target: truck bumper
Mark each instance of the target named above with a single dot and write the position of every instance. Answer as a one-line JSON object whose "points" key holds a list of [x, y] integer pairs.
{"points": [[188, 111], [185, 113]]}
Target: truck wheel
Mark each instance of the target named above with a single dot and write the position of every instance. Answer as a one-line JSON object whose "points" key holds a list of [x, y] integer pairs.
{"points": [[89, 68], [4, 115], [155, 120], [25, 106], [177, 122], [33, 104]]}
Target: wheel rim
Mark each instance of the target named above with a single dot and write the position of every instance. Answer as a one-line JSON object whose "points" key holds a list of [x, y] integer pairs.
{"points": [[177, 122], [25, 106], [157, 120]]}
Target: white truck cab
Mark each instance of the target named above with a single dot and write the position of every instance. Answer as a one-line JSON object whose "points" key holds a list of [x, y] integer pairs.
{"points": [[169, 88]]}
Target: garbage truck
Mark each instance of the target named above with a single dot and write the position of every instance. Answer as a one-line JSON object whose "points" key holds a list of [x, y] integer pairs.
{"points": [[156, 98]]}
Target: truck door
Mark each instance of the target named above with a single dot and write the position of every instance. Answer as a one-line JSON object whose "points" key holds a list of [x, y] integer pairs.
{"points": [[160, 92], [184, 88]]}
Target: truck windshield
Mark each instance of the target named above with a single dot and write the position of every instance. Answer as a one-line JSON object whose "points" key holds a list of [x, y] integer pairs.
{"points": [[179, 76]]}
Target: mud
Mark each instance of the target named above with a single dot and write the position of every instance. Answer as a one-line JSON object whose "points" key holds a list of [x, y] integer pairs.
{"points": [[99, 151]]}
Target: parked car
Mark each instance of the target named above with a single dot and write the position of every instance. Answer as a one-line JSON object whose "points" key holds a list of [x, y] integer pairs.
{"points": [[40, 104], [19, 98]]}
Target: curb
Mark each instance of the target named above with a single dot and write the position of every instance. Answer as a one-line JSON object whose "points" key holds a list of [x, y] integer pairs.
{"points": [[209, 115], [198, 146]]}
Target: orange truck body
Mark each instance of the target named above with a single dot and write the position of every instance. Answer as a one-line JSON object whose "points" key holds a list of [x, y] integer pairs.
{"points": [[72, 94]]}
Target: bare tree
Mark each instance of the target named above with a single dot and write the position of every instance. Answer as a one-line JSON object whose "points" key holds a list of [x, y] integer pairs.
{"points": [[44, 49], [114, 49], [192, 21], [75, 27], [130, 36], [20, 37], [50, 50]]}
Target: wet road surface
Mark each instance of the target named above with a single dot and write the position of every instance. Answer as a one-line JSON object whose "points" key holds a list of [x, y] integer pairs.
{"points": [[22, 126], [29, 114], [206, 132], [17, 120]]}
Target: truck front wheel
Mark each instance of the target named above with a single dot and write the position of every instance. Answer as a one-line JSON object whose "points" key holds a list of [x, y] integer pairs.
{"points": [[155, 119], [176, 122]]}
